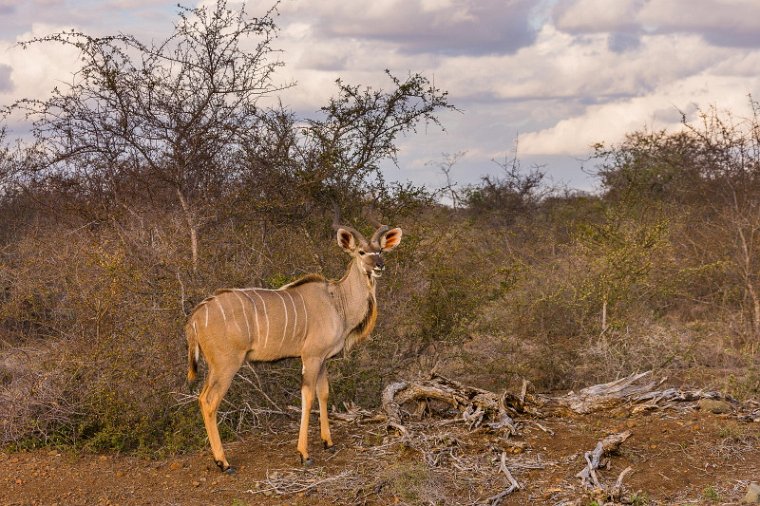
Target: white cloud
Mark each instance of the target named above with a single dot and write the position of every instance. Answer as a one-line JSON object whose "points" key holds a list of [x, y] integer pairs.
{"points": [[37, 70], [610, 122], [5, 78], [558, 66]]}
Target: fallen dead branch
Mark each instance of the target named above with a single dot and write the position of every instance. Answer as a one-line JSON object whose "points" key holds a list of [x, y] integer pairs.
{"points": [[616, 492], [480, 408], [513, 485], [607, 395], [392, 407], [596, 459], [355, 414]]}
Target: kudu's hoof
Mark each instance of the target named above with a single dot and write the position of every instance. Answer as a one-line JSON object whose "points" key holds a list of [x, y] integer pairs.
{"points": [[329, 447], [307, 462], [226, 469]]}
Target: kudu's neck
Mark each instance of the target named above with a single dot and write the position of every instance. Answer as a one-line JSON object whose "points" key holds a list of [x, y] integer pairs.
{"points": [[356, 294]]}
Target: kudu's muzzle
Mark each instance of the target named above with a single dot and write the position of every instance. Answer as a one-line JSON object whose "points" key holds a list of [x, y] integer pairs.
{"points": [[377, 271]]}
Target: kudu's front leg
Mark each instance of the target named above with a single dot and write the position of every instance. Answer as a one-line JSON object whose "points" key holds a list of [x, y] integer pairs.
{"points": [[323, 392], [311, 368]]}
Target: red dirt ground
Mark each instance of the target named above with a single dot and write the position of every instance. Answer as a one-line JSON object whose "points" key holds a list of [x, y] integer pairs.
{"points": [[678, 457]]}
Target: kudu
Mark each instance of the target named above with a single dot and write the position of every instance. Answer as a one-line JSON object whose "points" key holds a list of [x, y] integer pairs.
{"points": [[311, 318]]}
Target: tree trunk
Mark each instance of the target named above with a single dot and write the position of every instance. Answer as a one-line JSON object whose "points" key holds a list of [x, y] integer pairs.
{"points": [[755, 306], [192, 227]]}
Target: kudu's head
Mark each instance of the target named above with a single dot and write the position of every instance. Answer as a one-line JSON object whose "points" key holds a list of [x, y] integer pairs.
{"points": [[369, 254]]}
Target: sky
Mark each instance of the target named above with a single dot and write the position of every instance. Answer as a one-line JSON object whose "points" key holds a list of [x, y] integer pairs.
{"points": [[542, 79]]}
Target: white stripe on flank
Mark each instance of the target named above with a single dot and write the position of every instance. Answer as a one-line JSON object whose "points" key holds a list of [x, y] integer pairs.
{"points": [[245, 315], [206, 306], [295, 318], [221, 309], [255, 314], [235, 320], [305, 315], [285, 327], [266, 315]]}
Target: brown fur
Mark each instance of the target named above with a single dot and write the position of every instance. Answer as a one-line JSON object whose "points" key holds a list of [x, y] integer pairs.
{"points": [[364, 329], [309, 278]]}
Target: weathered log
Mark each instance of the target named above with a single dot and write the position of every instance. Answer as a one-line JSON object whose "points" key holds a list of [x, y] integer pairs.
{"points": [[604, 396], [392, 408], [636, 389]]}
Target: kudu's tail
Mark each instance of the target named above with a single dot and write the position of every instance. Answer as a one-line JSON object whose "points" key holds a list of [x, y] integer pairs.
{"points": [[193, 353]]}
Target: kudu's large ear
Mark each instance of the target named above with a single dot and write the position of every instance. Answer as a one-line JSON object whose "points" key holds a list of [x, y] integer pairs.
{"points": [[390, 239], [346, 240]]}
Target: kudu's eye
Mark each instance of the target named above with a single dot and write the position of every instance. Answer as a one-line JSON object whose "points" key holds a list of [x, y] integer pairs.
{"points": [[362, 252]]}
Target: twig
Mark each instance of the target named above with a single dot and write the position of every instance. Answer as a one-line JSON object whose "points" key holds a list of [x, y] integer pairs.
{"points": [[617, 489], [182, 398], [291, 485], [545, 429], [513, 485], [536, 464], [259, 389]]}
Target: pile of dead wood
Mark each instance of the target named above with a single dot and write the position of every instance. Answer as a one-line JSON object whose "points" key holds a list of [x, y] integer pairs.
{"points": [[478, 407], [436, 395]]}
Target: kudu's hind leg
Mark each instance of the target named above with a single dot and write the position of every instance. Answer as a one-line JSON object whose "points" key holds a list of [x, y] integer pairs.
{"points": [[217, 383], [323, 392], [311, 369]]}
